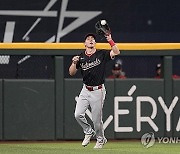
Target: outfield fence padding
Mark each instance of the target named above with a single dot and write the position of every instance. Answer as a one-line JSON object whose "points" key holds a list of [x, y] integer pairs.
{"points": [[43, 109]]}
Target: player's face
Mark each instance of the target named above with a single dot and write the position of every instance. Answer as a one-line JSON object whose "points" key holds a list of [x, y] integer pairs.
{"points": [[90, 42]]}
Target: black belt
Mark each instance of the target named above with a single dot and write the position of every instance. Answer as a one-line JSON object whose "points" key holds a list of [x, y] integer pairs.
{"points": [[92, 88]]}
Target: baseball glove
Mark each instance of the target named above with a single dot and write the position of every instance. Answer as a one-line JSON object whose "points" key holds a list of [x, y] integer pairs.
{"points": [[102, 28]]}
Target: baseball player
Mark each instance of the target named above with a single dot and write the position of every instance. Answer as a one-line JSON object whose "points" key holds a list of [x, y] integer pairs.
{"points": [[92, 64]]}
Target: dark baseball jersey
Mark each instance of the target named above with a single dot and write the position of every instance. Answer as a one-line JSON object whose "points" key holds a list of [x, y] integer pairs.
{"points": [[93, 67]]}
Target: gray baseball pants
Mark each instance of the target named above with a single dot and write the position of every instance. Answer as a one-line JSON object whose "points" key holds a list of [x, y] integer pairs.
{"points": [[94, 99]]}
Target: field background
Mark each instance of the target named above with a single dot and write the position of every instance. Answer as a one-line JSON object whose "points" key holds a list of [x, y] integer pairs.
{"points": [[74, 147]]}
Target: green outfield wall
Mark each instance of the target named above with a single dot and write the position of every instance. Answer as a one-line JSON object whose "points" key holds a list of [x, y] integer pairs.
{"points": [[29, 110], [43, 109]]}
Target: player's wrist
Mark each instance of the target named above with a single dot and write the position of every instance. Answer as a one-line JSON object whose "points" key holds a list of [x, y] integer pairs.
{"points": [[111, 42]]}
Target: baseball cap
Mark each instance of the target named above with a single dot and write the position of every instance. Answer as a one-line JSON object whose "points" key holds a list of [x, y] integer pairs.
{"points": [[90, 34], [158, 66], [117, 66]]}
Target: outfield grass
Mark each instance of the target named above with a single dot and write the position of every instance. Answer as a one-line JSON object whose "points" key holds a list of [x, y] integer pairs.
{"points": [[69, 147]]}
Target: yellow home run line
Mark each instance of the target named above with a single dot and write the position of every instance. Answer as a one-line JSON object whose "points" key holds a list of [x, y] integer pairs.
{"points": [[122, 46]]}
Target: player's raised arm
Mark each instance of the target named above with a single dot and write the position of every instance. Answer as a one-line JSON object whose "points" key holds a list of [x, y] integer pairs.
{"points": [[103, 30], [115, 50], [72, 68]]}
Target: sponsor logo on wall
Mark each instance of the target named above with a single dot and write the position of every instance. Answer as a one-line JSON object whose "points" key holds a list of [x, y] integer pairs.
{"points": [[37, 17], [118, 112], [80, 18]]}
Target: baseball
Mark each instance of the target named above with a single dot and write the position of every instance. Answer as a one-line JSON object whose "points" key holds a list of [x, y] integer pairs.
{"points": [[103, 22]]}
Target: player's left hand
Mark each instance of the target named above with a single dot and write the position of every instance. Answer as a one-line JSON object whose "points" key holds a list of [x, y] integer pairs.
{"points": [[75, 59]]}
